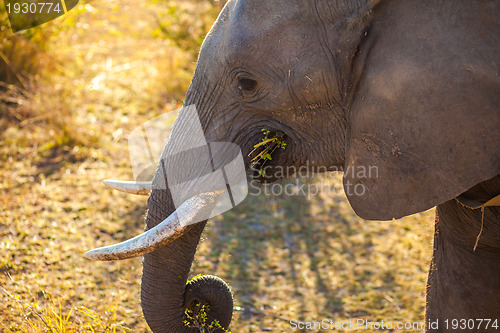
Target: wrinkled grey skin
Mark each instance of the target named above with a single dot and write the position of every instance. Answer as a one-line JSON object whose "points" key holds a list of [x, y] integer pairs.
{"points": [[411, 87]]}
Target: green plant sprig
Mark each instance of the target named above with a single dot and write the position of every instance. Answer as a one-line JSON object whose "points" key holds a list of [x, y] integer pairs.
{"points": [[199, 319], [268, 146]]}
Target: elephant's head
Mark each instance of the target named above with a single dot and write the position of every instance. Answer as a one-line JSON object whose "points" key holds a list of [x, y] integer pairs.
{"points": [[349, 85]]}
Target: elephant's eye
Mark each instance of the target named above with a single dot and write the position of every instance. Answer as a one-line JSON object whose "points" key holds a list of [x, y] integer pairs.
{"points": [[247, 84]]}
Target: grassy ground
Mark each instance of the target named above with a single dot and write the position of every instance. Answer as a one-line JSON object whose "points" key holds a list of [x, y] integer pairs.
{"points": [[118, 64]]}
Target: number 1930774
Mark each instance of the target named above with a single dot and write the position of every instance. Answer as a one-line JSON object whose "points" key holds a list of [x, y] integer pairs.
{"points": [[471, 324], [33, 7]]}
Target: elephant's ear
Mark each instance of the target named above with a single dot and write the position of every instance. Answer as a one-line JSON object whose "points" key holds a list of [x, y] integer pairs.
{"points": [[424, 125]]}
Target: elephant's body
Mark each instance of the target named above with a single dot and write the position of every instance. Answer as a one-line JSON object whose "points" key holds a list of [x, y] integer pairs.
{"points": [[409, 87], [463, 283]]}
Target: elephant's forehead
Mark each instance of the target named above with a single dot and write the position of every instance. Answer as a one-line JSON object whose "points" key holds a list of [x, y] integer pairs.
{"points": [[258, 28], [262, 11], [251, 18]]}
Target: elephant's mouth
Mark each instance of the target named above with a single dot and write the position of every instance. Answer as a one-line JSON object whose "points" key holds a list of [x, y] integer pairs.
{"points": [[267, 153]]}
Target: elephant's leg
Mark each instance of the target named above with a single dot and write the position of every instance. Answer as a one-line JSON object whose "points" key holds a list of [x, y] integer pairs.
{"points": [[463, 290]]}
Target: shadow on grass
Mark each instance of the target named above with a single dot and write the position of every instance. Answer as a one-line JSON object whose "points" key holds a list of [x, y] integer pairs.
{"points": [[246, 239], [56, 158], [311, 258]]}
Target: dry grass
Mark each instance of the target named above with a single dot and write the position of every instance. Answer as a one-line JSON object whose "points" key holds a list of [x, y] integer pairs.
{"points": [[286, 257], [310, 258], [55, 317]]}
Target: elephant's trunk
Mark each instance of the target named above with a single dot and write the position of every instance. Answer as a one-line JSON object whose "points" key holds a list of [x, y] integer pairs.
{"points": [[165, 295], [165, 272]]}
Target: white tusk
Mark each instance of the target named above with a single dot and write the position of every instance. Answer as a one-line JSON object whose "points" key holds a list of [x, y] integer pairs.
{"points": [[193, 210], [139, 188]]}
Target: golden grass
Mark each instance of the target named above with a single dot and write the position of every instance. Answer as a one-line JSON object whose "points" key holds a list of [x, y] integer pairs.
{"points": [[286, 257], [55, 317]]}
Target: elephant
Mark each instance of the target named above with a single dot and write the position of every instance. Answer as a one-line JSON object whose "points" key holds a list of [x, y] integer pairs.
{"points": [[409, 87]]}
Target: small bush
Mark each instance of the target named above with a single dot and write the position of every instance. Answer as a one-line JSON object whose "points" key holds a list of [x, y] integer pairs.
{"points": [[23, 55]]}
